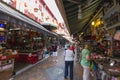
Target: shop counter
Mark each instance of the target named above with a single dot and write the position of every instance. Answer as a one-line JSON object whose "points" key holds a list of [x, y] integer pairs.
{"points": [[31, 58], [25, 58]]}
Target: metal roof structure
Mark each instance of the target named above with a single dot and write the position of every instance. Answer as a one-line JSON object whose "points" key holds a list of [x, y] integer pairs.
{"points": [[77, 14]]}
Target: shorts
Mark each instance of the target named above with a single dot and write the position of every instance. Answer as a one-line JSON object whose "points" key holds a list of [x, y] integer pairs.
{"points": [[54, 53]]}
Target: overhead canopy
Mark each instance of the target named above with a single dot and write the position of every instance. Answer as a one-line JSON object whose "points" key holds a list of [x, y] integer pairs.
{"points": [[48, 25], [78, 13], [9, 11]]}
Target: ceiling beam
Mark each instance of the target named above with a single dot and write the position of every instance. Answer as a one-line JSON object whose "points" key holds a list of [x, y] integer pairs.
{"points": [[72, 13], [87, 13], [96, 12], [74, 8], [73, 1], [91, 7], [92, 18], [72, 17], [91, 4], [66, 3]]}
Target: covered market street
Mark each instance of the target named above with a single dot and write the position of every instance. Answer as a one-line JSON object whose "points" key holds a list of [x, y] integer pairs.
{"points": [[33, 30], [49, 70]]}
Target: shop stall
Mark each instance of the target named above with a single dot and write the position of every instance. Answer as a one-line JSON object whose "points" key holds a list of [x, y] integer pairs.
{"points": [[28, 42], [22, 46], [7, 56], [19, 35], [22, 40], [51, 39], [108, 61], [105, 64]]}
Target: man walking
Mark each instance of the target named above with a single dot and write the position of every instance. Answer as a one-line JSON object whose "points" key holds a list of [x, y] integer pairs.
{"points": [[69, 61]]}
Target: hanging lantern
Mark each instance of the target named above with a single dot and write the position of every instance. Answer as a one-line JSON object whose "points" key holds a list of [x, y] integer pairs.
{"points": [[35, 9]]}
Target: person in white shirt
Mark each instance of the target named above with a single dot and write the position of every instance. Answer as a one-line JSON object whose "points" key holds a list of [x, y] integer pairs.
{"points": [[69, 61]]}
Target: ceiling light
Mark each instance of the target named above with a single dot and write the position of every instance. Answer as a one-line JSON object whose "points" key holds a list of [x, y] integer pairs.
{"points": [[93, 23]]}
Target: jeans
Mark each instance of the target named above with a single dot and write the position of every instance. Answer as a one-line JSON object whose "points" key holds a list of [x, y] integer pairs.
{"points": [[69, 66], [86, 73]]}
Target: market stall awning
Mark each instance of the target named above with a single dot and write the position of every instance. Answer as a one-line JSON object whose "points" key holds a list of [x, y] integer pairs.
{"points": [[14, 13], [49, 26]]}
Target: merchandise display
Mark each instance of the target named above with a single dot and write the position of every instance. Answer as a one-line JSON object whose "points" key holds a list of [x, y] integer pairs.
{"points": [[16, 45]]}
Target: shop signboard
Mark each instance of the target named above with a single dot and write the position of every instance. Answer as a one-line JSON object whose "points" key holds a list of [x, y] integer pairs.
{"points": [[32, 8]]}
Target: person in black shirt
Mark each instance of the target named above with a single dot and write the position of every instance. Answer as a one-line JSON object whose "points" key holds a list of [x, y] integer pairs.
{"points": [[55, 52]]}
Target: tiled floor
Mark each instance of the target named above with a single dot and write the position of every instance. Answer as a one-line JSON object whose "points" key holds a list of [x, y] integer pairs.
{"points": [[49, 70]]}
